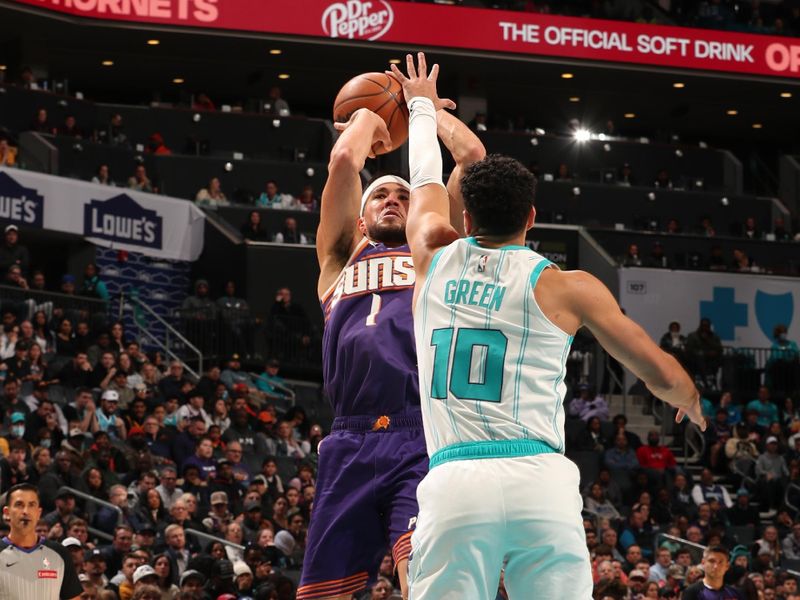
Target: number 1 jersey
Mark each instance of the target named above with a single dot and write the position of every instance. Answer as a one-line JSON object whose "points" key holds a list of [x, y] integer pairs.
{"points": [[369, 360], [491, 364]]}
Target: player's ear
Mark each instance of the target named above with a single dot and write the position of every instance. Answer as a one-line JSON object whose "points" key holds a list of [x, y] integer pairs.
{"points": [[467, 222], [531, 218], [362, 226]]}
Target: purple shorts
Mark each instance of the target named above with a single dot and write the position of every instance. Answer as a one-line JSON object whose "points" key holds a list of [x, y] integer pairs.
{"points": [[365, 503]]}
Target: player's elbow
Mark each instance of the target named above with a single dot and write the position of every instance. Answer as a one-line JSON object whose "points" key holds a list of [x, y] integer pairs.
{"points": [[343, 159], [474, 152]]}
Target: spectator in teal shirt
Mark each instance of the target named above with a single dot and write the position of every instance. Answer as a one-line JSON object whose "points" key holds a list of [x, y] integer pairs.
{"points": [[783, 348], [92, 285], [271, 383], [734, 412], [767, 411], [709, 410]]}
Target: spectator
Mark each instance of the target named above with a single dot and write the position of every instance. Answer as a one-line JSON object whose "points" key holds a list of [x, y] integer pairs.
{"points": [[707, 227], [587, 405], [12, 252], [766, 409], [665, 183], [772, 473], [704, 353], [791, 543], [167, 488], [657, 461], [115, 134], [140, 181], [8, 153], [286, 444], [41, 123], [212, 195], [674, 342], [660, 569], [563, 173], [707, 490], [631, 257], [479, 122], [253, 230], [625, 175], [673, 226], [781, 232], [272, 198], [621, 458], [70, 128], [742, 263], [306, 201], [276, 105], [657, 258], [203, 102], [597, 504], [93, 286], [733, 411], [103, 176], [716, 261], [783, 365], [750, 229], [156, 145], [271, 383]]}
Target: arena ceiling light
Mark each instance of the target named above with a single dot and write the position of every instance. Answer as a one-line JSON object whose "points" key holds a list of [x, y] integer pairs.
{"points": [[107, 63], [731, 112], [786, 94], [153, 42], [583, 135], [678, 85], [394, 61], [283, 76], [757, 126], [567, 76], [178, 80], [630, 115], [574, 99], [275, 51], [3, 67]]}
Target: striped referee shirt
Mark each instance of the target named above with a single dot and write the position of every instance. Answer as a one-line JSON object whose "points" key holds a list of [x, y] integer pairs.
{"points": [[44, 572]]}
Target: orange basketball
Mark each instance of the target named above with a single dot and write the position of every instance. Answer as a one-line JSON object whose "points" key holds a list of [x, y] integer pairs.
{"points": [[380, 93]]}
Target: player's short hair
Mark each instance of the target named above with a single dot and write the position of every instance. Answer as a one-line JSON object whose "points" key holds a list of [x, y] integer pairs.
{"points": [[718, 550], [20, 487], [498, 194]]}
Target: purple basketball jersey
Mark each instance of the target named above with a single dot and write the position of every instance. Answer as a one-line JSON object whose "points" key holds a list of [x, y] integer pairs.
{"points": [[369, 357]]}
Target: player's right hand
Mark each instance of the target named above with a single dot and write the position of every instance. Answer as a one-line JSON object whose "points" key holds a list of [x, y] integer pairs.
{"points": [[419, 82], [695, 414], [381, 140]]}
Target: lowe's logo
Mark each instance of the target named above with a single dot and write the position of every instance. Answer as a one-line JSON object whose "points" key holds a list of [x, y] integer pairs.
{"points": [[20, 205], [121, 219]]}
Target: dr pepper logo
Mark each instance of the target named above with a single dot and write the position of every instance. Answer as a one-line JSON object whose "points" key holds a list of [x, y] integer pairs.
{"points": [[357, 19]]}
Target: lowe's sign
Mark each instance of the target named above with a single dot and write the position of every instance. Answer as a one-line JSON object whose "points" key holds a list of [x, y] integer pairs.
{"points": [[153, 225], [744, 308]]}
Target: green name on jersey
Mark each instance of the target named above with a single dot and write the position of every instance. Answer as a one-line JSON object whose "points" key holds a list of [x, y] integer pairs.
{"points": [[474, 293]]}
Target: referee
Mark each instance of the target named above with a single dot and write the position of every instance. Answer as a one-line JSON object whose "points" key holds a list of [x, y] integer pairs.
{"points": [[32, 568]]}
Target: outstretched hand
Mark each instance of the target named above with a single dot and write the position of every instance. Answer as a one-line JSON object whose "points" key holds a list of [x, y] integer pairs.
{"points": [[419, 82], [695, 414]]}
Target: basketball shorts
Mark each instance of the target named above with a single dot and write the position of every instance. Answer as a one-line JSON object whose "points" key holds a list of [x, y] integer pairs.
{"points": [[365, 503], [477, 516]]}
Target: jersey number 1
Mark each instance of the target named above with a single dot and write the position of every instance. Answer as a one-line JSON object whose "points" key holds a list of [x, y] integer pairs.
{"points": [[464, 382], [374, 310]]}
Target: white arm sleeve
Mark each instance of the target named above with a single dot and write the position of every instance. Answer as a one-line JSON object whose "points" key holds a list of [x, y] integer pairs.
{"points": [[424, 156]]}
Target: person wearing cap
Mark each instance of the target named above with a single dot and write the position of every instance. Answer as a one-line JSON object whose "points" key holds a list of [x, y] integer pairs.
{"points": [[65, 509], [243, 578], [587, 404], [194, 408], [219, 517], [233, 374], [271, 383], [75, 548], [12, 252], [636, 582], [192, 581], [144, 575], [106, 417], [772, 472]]}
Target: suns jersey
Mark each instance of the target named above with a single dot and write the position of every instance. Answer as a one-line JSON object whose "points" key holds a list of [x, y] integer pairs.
{"points": [[491, 365], [369, 360]]}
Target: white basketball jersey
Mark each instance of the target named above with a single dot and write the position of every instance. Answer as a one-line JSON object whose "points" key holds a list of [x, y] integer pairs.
{"points": [[491, 365]]}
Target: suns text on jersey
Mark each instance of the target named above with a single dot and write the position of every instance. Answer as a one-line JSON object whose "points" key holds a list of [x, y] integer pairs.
{"points": [[381, 273]]}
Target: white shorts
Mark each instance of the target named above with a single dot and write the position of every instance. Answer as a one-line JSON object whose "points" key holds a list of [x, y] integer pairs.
{"points": [[475, 516]]}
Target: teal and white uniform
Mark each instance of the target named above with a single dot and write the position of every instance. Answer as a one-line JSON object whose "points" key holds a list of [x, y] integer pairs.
{"points": [[500, 491]]}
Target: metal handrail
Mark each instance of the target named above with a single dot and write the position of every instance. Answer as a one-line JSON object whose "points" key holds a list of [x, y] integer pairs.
{"points": [[212, 538], [616, 381], [91, 498], [100, 534], [698, 451], [170, 331], [681, 541], [290, 392], [789, 487]]}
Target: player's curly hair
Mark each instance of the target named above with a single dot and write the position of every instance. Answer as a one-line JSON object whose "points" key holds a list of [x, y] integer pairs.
{"points": [[498, 194]]}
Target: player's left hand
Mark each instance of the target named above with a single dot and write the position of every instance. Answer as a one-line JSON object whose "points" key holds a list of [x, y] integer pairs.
{"points": [[419, 82]]}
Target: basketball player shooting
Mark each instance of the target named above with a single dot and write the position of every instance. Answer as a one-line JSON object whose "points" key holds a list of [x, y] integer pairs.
{"points": [[493, 323], [374, 458]]}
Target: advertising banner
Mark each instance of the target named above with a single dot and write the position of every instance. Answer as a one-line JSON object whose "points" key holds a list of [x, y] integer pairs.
{"points": [[744, 309], [415, 25], [107, 216]]}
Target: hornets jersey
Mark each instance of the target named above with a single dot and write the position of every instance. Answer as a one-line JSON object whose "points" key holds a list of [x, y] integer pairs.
{"points": [[491, 364]]}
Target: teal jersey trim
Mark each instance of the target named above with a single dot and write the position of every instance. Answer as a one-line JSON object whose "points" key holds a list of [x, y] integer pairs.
{"points": [[537, 271], [424, 299], [473, 242], [558, 398], [490, 449]]}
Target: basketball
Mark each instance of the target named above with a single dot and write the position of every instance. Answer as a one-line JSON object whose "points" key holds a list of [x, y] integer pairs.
{"points": [[380, 93]]}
